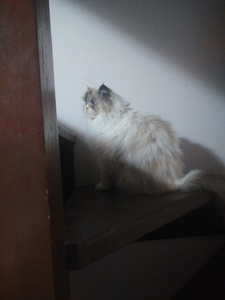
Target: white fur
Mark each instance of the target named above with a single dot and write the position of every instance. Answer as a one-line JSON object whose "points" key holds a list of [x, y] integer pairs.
{"points": [[137, 152]]}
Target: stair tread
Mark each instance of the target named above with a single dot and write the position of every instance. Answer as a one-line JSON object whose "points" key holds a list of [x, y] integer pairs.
{"points": [[99, 223]]}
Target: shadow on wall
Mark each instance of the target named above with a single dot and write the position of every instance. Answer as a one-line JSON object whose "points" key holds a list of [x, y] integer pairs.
{"points": [[198, 157], [189, 33]]}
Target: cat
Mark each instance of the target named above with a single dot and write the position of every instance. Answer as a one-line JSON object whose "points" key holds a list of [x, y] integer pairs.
{"points": [[138, 152]]}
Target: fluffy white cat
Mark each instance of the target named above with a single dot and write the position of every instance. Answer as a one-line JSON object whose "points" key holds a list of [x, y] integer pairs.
{"points": [[137, 152]]}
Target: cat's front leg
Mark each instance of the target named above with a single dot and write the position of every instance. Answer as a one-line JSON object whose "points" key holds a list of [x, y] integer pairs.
{"points": [[106, 183]]}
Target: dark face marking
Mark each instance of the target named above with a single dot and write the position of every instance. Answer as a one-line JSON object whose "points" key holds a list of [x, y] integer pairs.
{"points": [[92, 102]]}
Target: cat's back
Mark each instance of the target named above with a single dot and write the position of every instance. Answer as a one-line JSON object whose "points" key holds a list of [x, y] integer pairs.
{"points": [[132, 127], [150, 124]]}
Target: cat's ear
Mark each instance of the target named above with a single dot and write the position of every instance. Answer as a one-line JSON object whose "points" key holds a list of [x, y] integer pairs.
{"points": [[104, 90]]}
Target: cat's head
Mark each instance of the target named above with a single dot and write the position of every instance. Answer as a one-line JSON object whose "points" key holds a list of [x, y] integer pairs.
{"points": [[98, 101]]}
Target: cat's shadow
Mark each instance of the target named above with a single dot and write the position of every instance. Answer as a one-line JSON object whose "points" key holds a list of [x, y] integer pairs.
{"points": [[196, 156]]}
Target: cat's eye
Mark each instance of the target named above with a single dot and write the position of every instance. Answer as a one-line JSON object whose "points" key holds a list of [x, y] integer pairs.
{"points": [[92, 102]]}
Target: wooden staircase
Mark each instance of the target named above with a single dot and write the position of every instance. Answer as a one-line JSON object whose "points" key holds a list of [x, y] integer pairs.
{"points": [[99, 223]]}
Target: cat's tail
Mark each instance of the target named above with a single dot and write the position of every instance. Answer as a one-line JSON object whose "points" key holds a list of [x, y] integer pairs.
{"points": [[200, 180], [215, 182]]}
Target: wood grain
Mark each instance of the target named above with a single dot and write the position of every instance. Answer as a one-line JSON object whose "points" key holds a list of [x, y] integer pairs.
{"points": [[32, 262]]}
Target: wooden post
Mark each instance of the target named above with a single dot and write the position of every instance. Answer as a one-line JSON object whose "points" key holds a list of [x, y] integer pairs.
{"points": [[32, 262]]}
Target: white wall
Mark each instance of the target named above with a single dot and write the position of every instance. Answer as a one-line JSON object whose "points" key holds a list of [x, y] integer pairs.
{"points": [[168, 59]]}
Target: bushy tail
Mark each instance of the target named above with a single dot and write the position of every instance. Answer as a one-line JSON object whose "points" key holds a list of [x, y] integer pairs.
{"points": [[190, 182], [215, 182], [200, 180]]}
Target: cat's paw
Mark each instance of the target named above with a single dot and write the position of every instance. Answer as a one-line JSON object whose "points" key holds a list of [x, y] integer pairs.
{"points": [[101, 187]]}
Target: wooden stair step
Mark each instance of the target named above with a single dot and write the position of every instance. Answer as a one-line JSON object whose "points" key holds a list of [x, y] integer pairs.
{"points": [[99, 223]]}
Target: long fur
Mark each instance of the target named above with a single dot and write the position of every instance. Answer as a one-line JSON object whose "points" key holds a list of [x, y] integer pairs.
{"points": [[138, 152]]}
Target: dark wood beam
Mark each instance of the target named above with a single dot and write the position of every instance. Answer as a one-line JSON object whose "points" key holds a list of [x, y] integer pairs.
{"points": [[32, 264]]}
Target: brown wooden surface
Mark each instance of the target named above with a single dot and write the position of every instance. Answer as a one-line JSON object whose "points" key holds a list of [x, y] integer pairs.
{"points": [[31, 250], [201, 221], [52, 155], [100, 223], [66, 134], [67, 166], [66, 146]]}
